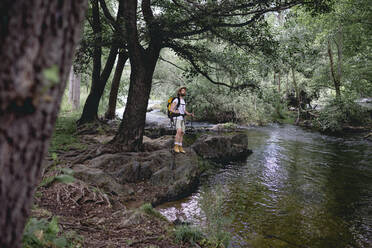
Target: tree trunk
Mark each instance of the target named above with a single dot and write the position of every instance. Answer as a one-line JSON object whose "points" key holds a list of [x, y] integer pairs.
{"points": [[143, 62], [335, 79], [277, 78], [70, 85], [110, 113], [37, 42], [90, 111], [297, 96], [339, 45], [287, 84], [74, 89], [130, 133]]}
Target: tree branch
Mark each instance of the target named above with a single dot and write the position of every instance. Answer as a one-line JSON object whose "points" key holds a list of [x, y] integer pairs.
{"points": [[171, 63], [147, 12], [189, 57], [107, 13]]}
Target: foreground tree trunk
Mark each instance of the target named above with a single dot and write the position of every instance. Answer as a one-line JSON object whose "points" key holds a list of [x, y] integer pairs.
{"points": [[110, 113], [143, 62], [37, 41]]}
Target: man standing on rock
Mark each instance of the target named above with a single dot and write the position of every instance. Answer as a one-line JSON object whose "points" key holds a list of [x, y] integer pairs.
{"points": [[180, 110]]}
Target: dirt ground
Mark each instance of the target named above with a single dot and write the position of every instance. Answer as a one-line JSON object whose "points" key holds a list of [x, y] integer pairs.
{"points": [[102, 220]]}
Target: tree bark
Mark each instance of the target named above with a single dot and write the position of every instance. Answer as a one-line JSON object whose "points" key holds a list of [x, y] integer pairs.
{"points": [[91, 104], [336, 81], [90, 111], [110, 113], [143, 62], [297, 96], [70, 85], [74, 89], [339, 45], [37, 42]]}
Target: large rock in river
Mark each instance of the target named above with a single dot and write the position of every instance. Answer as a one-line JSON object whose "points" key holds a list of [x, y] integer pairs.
{"points": [[168, 176], [222, 148]]}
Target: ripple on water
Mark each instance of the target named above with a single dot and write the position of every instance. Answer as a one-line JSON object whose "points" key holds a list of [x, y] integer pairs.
{"points": [[298, 188]]}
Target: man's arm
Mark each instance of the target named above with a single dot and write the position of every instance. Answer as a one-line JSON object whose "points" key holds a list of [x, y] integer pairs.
{"points": [[187, 113]]}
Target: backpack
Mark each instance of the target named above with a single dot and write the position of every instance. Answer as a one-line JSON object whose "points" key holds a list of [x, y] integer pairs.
{"points": [[169, 104]]}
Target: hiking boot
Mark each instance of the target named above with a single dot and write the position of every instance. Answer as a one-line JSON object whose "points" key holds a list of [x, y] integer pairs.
{"points": [[181, 149], [176, 149]]}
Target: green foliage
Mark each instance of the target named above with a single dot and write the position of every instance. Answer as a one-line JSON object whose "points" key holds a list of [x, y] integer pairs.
{"points": [[185, 233], [220, 105], [217, 221], [52, 74], [63, 175], [64, 137], [229, 125], [42, 234], [339, 113], [148, 209]]}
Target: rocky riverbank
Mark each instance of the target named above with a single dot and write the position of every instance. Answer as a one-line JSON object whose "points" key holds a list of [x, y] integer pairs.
{"points": [[102, 204]]}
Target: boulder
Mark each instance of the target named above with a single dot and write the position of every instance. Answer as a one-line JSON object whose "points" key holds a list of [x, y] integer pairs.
{"points": [[222, 148], [134, 172], [167, 176], [160, 143], [100, 179], [181, 178]]}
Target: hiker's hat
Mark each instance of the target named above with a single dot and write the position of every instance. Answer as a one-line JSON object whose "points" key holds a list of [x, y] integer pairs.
{"points": [[180, 88]]}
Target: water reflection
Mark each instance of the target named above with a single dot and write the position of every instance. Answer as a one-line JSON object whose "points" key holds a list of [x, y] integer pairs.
{"points": [[298, 189]]}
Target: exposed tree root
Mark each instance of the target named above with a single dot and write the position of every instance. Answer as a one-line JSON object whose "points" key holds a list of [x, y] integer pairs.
{"points": [[95, 152]]}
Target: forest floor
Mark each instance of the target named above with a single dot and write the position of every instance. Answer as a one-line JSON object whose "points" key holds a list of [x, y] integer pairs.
{"points": [[90, 217]]}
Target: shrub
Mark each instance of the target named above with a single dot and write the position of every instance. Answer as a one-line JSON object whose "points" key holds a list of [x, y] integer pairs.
{"points": [[64, 137], [188, 234], [148, 209], [340, 112], [41, 234], [217, 222]]}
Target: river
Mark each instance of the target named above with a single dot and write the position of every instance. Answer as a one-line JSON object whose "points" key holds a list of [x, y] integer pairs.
{"points": [[298, 189]]}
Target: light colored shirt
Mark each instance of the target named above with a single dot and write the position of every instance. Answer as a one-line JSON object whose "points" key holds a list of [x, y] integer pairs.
{"points": [[181, 108]]}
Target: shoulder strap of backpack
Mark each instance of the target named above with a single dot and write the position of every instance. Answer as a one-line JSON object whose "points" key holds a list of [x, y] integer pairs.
{"points": [[179, 102]]}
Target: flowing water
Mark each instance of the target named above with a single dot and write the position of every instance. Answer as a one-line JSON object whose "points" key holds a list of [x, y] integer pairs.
{"points": [[297, 189]]}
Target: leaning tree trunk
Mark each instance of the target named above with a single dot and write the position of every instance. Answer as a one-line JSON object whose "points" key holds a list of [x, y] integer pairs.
{"points": [[90, 111], [143, 62], [37, 41], [335, 79], [110, 113], [89, 114], [297, 96]]}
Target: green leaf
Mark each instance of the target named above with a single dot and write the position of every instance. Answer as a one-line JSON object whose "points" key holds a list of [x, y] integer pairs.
{"points": [[53, 226], [60, 242], [47, 181], [52, 74], [65, 178], [67, 171], [54, 156]]}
